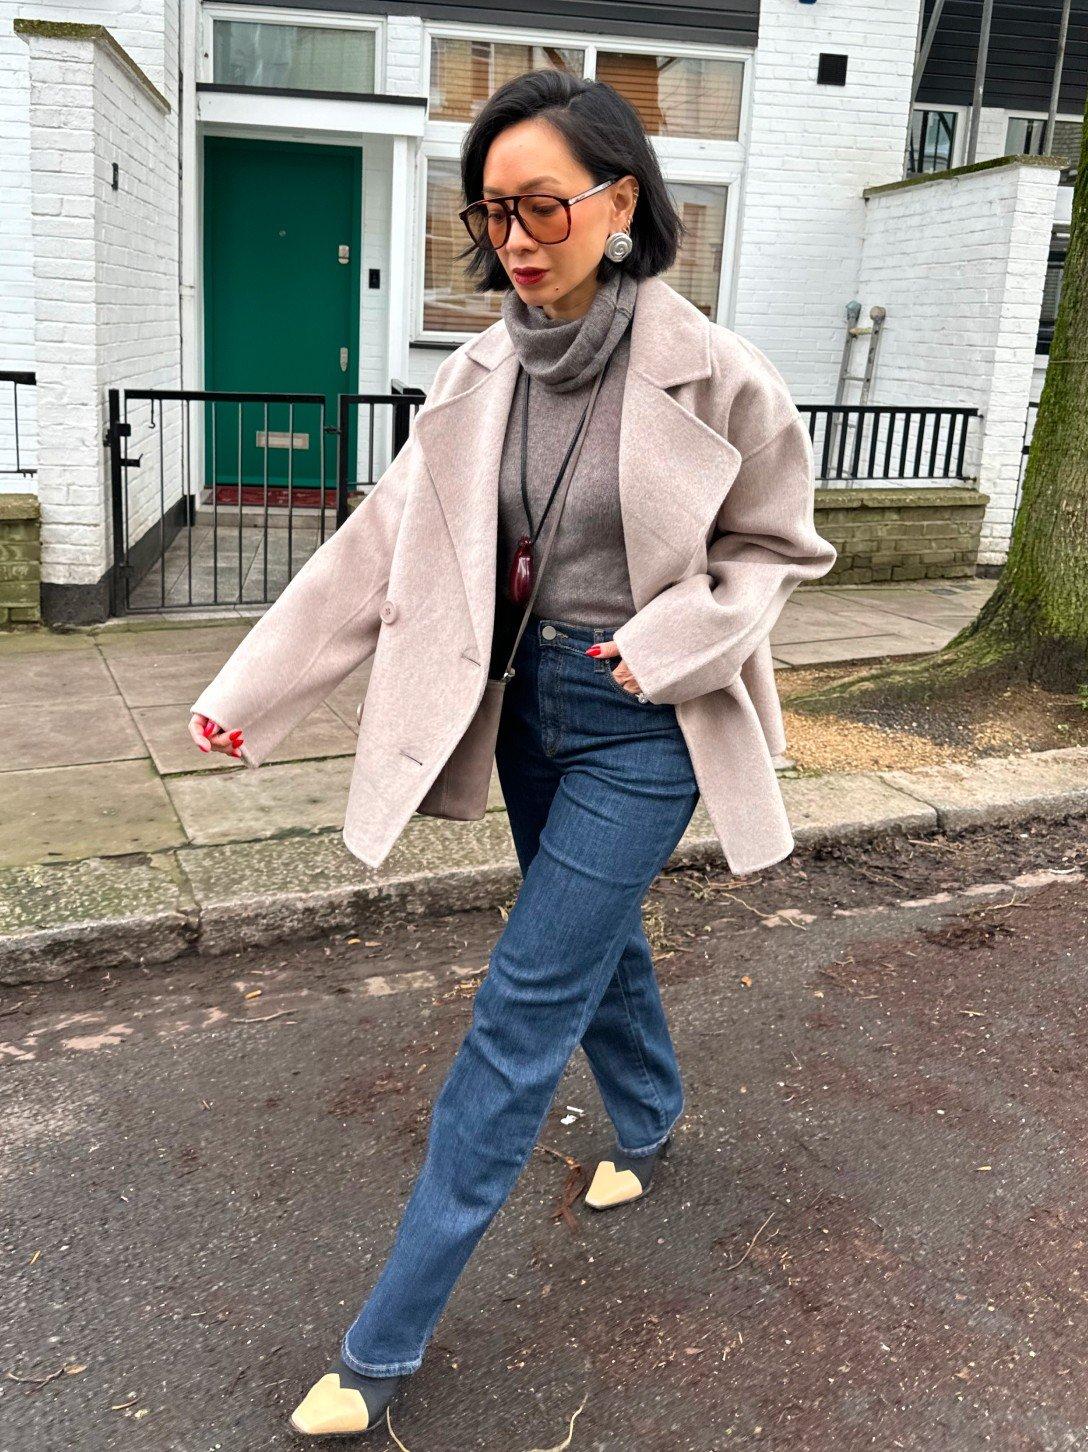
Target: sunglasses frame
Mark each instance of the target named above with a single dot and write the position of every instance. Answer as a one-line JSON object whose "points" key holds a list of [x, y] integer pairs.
{"points": [[510, 205]]}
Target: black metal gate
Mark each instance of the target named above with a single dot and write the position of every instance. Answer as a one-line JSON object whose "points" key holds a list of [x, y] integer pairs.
{"points": [[219, 498]]}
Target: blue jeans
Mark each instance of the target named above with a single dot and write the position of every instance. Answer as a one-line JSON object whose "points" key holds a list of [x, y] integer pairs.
{"points": [[599, 788]]}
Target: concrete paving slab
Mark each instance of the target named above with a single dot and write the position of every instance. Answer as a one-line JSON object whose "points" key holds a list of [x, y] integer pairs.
{"points": [[850, 807], [66, 813], [164, 729], [55, 918], [165, 680], [69, 734], [808, 627], [33, 640], [159, 639], [867, 647], [43, 677], [246, 805], [926, 607], [1000, 788]]}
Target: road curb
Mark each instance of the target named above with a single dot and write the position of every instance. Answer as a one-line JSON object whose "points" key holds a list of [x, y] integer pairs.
{"points": [[149, 908]]}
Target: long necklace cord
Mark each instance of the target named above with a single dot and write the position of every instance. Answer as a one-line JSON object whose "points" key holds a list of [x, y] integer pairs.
{"points": [[534, 534]]}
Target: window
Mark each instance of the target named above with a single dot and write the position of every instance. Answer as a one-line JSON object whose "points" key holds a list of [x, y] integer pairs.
{"points": [[1024, 136], [464, 72], [691, 105], [294, 57], [1052, 289], [698, 268], [932, 136], [449, 304], [678, 95], [1067, 142]]}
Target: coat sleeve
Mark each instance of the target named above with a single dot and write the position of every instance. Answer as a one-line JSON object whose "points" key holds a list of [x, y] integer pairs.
{"points": [[323, 625], [694, 636]]}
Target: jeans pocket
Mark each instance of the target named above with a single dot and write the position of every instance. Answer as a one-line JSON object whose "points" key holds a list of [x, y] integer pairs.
{"points": [[627, 695]]}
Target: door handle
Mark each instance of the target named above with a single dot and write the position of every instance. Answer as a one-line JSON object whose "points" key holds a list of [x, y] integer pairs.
{"points": [[343, 360]]}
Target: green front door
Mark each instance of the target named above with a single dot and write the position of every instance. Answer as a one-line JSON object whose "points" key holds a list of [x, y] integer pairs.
{"points": [[281, 309]]}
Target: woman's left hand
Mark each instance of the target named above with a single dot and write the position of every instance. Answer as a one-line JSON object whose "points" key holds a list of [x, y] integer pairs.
{"points": [[605, 650]]}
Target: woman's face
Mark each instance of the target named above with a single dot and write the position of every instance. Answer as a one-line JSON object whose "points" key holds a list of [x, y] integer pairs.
{"points": [[532, 156]]}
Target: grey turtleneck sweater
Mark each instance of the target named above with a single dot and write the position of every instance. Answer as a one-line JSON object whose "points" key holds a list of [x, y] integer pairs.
{"points": [[586, 580]]}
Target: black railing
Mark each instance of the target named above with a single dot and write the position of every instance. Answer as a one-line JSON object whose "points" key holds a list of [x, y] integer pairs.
{"points": [[1029, 433], [860, 443], [17, 380], [358, 470], [217, 496]]}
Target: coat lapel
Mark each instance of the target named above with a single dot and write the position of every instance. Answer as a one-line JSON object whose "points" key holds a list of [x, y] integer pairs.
{"points": [[674, 470]]}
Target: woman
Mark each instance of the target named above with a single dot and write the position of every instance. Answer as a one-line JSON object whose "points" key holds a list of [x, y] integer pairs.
{"points": [[643, 678]]}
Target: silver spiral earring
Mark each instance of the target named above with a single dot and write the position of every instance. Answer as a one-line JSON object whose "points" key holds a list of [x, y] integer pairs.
{"points": [[618, 246]]}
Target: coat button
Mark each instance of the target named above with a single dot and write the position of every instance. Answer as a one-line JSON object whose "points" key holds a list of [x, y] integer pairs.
{"points": [[388, 611]]}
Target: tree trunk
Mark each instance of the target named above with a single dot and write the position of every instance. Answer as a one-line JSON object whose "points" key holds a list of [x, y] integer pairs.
{"points": [[1036, 620]]}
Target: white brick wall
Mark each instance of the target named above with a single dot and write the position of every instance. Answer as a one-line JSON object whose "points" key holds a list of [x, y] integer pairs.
{"points": [[812, 150], [104, 294], [959, 265], [143, 28], [404, 58]]}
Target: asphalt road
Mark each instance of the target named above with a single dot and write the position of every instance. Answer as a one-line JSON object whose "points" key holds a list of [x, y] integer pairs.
{"points": [[870, 1232]]}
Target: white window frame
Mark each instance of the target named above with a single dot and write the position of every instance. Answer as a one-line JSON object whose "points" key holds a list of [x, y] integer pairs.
{"points": [[682, 159], [1025, 113], [962, 115], [213, 10]]}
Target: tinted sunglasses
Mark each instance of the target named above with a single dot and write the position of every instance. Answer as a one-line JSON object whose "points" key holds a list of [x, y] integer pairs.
{"points": [[544, 217]]}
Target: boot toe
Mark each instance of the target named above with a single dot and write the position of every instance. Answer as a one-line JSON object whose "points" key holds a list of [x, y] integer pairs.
{"points": [[329, 1408], [610, 1186]]}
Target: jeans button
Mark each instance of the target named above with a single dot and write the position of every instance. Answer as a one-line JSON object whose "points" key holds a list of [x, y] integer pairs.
{"points": [[549, 632]]}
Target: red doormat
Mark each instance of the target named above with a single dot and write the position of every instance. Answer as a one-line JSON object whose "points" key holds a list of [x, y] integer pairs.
{"points": [[302, 497]]}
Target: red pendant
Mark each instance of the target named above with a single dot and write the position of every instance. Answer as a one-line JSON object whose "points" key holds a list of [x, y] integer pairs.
{"points": [[519, 585]]}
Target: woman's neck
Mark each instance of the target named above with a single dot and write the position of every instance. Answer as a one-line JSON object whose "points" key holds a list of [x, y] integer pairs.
{"points": [[574, 304]]}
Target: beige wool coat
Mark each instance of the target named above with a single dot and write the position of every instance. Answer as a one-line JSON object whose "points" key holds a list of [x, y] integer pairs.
{"points": [[716, 489]]}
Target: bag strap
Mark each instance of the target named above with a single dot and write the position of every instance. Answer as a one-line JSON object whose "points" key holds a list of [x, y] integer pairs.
{"points": [[560, 501]]}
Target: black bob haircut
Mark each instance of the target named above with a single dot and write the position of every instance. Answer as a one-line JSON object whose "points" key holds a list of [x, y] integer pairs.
{"points": [[605, 135]]}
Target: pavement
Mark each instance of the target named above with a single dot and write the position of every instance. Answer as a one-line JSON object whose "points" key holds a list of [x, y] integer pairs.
{"points": [[868, 1232], [120, 842]]}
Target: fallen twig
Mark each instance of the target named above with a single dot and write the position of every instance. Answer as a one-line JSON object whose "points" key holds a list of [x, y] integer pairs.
{"points": [[263, 1018], [559, 1447], [37, 1381], [752, 1242]]}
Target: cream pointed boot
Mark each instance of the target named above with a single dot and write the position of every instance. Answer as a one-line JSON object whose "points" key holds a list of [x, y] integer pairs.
{"points": [[622, 1178], [343, 1403]]}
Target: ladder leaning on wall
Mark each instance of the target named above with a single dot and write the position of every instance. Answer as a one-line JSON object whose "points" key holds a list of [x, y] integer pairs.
{"points": [[864, 379]]}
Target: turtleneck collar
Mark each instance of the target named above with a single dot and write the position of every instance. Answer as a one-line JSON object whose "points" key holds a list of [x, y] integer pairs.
{"points": [[564, 353]]}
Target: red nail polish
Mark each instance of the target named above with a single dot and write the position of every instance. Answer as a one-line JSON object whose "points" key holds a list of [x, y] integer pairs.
{"points": [[236, 736], [594, 650], [210, 728]]}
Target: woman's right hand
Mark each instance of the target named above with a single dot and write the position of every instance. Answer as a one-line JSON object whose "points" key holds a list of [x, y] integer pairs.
{"points": [[210, 736]]}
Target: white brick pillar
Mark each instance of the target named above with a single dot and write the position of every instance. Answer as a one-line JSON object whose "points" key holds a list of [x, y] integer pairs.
{"points": [[958, 259], [812, 148], [105, 298]]}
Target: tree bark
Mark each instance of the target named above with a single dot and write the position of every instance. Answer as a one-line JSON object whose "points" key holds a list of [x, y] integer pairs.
{"points": [[1036, 620]]}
